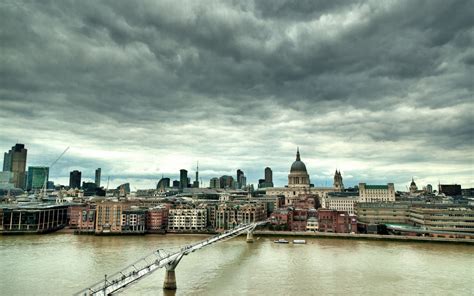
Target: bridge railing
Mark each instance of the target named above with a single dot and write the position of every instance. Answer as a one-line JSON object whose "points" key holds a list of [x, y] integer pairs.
{"points": [[159, 258]]}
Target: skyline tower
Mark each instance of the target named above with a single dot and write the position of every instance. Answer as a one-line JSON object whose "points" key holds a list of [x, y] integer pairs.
{"points": [[15, 161], [75, 179], [98, 172], [183, 179], [196, 182]]}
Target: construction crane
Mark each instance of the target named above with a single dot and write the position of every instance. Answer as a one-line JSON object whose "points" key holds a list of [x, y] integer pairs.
{"points": [[54, 162]]}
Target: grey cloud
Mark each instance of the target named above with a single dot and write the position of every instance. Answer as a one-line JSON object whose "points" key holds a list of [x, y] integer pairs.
{"points": [[241, 83]]}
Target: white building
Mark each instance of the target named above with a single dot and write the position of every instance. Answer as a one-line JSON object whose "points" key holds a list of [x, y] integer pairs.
{"points": [[312, 224], [299, 183], [340, 203], [187, 219], [376, 193]]}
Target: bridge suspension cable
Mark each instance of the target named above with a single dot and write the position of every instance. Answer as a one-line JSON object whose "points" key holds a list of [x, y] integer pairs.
{"points": [[159, 259]]}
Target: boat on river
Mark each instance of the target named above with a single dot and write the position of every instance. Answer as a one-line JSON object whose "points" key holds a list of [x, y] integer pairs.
{"points": [[299, 241], [281, 241]]}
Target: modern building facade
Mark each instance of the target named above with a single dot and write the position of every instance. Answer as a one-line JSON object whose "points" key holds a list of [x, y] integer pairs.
{"points": [[32, 218], [226, 182], [450, 189], [98, 173], [37, 177], [441, 218], [15, 161], [214, 183], [183, 179], [75, 179]]}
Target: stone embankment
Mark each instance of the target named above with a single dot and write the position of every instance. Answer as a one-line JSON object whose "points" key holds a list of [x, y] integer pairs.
{"points": [[363, 236]]}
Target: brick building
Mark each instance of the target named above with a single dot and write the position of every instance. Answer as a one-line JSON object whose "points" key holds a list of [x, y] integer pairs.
{"points": [[336, 221]]}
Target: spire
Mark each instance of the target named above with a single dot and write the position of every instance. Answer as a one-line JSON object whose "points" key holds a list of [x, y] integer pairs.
{"points": [[298, 154]]}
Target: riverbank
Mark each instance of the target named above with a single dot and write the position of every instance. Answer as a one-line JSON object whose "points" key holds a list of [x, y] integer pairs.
{"points": [[377, 237]]}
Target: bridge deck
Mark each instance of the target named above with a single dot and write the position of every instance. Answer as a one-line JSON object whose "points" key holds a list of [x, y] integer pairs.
{"points": [[156, 260]]}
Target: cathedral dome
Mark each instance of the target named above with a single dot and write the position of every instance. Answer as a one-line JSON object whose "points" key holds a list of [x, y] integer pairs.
{"points": [[298, 165]]}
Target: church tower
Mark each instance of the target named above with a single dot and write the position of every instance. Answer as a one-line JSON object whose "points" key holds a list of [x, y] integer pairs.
{"points": [[338, 185]]}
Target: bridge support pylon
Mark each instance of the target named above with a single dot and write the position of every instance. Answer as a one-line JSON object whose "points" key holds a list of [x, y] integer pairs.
{"points": [[170, 276], [250, 236]]}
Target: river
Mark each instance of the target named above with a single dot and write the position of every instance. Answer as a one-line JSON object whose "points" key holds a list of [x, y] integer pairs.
{"points": [[61, 264]]}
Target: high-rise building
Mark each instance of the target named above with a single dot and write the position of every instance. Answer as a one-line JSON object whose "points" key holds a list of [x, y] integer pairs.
{"points": [[183, 179], [240, 174], [163, 184], [6, 180], [268, 177], [429, 188], [176, 184], [37, 176], [97, 176], [214, 183], [75, 179], [267, 182], [226, 182], [15, 161], [243, 182]]}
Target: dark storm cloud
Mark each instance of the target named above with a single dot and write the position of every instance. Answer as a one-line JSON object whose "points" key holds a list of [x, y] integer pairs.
{"points": [[240, 83]]}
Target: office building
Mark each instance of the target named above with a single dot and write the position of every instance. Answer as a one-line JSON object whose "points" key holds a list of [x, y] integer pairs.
{"points": [[214, 183], [183, 179], [32, 218], [97, 176], [15, 161], [6, 180], [450, 189], [226, 182], [376, 193], [163, 184], [37, 177], [75, 179], [268, 177]]}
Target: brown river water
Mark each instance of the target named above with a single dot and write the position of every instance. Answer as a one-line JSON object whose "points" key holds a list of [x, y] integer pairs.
{"points": [[62, 264]]}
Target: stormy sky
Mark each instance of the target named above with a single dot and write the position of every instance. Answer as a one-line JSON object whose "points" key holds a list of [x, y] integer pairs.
{"points": [[382, 90]]}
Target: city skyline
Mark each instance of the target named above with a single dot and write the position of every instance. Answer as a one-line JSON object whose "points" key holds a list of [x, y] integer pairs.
{"points": [[381, 91]]}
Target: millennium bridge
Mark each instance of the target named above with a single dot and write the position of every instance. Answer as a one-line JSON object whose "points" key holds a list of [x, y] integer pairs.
{"points": [[159, 259]]}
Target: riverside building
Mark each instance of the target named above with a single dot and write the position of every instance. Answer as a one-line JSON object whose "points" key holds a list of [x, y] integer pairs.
{"points": [[186, 218], [376, 193]]}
